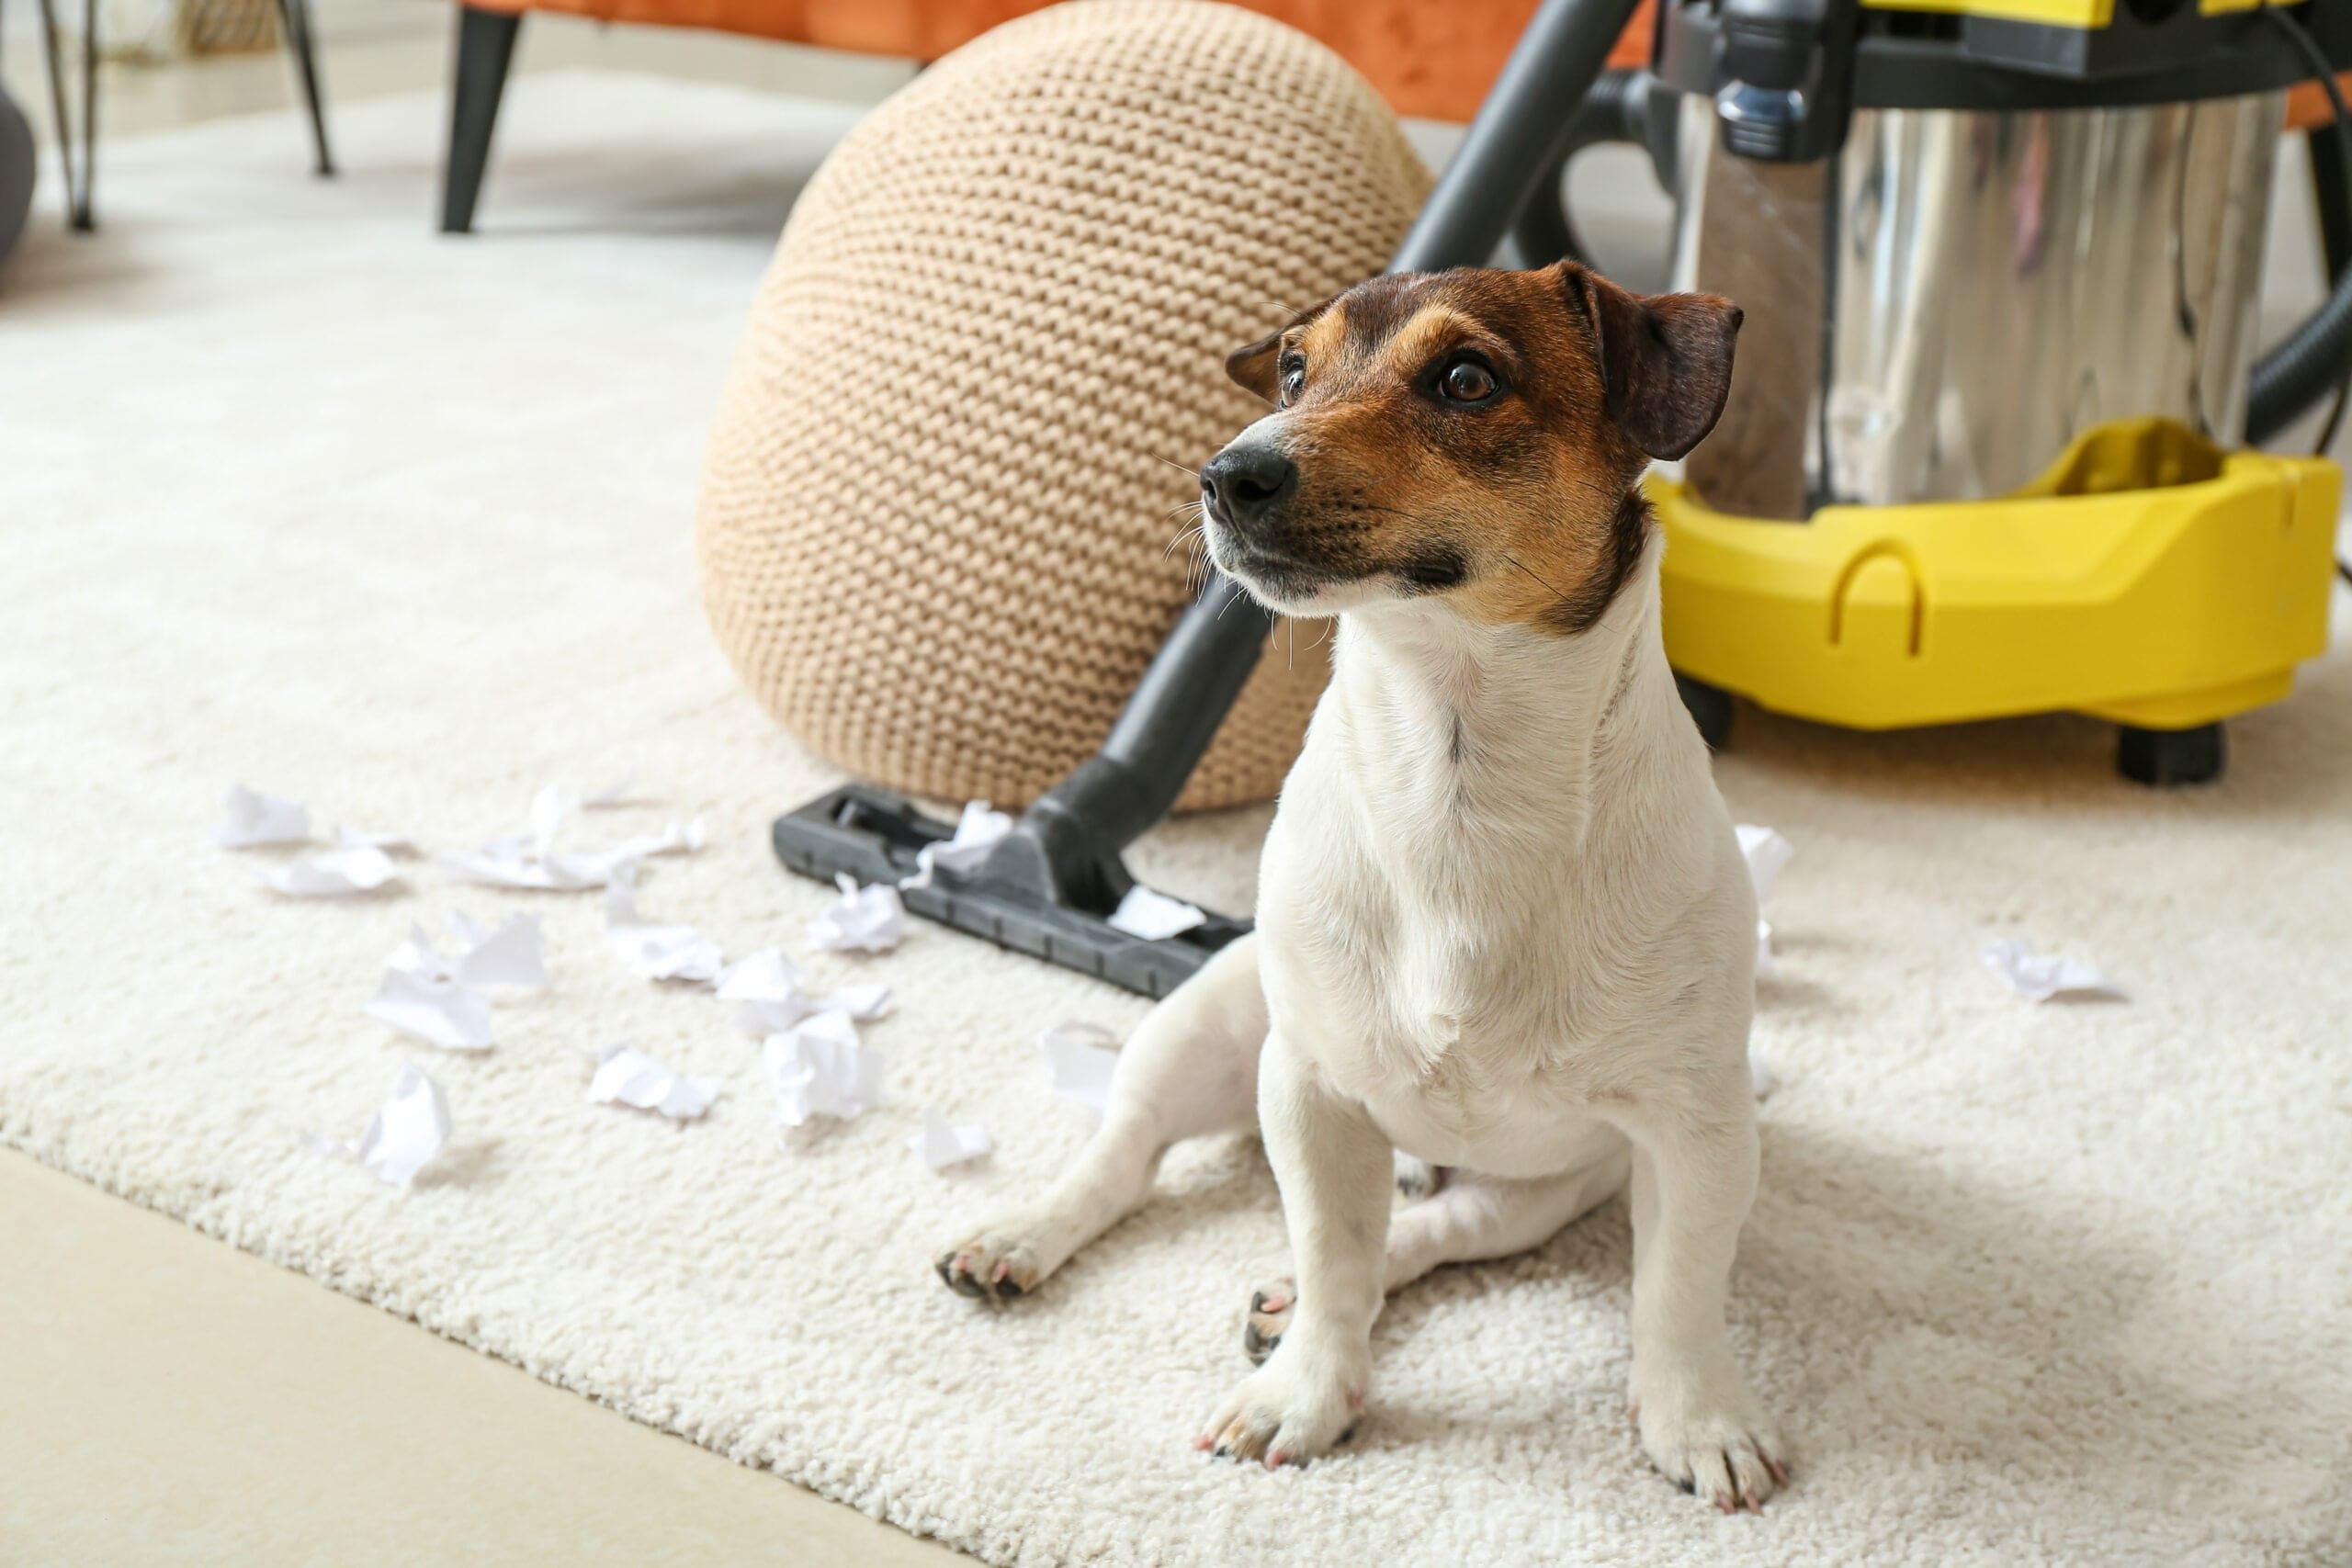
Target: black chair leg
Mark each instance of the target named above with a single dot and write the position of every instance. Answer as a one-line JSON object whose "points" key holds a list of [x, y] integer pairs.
{"points": [[295, 18], [87, 217], [485, 46], [76, 203]]}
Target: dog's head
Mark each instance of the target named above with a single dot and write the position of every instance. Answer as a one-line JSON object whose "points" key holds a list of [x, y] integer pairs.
{"points": [[1476, 435]]}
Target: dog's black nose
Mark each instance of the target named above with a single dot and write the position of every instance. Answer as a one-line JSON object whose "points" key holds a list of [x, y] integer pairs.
{"points": [[1242, 484]]}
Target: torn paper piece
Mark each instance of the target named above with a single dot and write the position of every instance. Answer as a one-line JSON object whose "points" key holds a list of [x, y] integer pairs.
{"points": [[1080, 1059], [674, 839], [512, 957], [335, 873], [976, 832], [658, 952], [444, 1012], [864, 1003], [1763, 947], [625, 1076], [403, 1136], [940, 1145], [862, 920], [1768, 854], [615, 794], [766, 977], [1759, 1076], [508, 863], [358, 839], [549, 808], [251, 817], [818, 1068], [1153, 916], [2038, 977]]}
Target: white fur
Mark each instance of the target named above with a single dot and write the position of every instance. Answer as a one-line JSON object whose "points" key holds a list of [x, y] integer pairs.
{"points": [[1503, 927]]}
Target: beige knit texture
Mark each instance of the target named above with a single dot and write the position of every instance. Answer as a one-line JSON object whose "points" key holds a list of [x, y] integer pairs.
{"points": [[937, 515]]}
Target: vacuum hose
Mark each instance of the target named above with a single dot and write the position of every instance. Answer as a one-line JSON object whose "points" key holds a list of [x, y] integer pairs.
{"points": [[2316, 355]]}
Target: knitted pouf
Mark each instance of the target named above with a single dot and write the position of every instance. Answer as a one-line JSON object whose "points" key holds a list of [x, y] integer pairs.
{"points": [[939, 500]]}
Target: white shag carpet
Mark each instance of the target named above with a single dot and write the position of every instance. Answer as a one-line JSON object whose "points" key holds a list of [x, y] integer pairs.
{"points": [[298, 493]]}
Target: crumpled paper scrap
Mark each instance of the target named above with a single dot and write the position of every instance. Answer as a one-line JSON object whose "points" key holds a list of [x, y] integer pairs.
{"points": [[770, 995], [862, 920], [531, 859], [250, 817], [403, 1136], [2038, 977], [656, 952], [333, 874], [511, 957], [1154, 916], [1080, 1060], [941, 1143], [1768, 854], [976, 832], [819, 1068], [627, 1076], [360, 839], [436, 1009]]}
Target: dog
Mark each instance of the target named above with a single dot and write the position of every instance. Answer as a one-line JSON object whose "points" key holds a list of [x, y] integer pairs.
{"points": [[1504, 926]]}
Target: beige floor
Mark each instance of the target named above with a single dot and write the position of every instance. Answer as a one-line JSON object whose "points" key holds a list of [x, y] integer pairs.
{"points": [[166, 1399]]}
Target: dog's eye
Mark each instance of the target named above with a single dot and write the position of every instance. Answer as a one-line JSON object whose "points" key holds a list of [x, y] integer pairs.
{"points": [[1294, 380], [1466, 381]]}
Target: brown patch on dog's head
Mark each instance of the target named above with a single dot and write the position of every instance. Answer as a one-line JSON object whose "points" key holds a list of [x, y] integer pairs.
{"points": [[1477, 433]]}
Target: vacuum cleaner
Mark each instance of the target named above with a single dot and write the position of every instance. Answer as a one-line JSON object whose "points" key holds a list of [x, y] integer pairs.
{"points": [[1987, 451]]}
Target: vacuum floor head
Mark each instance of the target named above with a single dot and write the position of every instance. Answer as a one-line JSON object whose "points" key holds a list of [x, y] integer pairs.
{"points": [[1025, 895]]}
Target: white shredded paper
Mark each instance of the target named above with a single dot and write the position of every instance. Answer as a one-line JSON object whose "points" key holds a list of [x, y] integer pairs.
{"points": [[532, 858], [656, 952], [360, 839], [250, 817], [333, 874], [436, 1009], [512, 957], [819, 1068], [1152, 916], [403, 1136], [976, 832], [862, 920], [627, 1076], [770, 995], [1767, 854], [2038, 977], [941, 1145], [1080, 1059]]}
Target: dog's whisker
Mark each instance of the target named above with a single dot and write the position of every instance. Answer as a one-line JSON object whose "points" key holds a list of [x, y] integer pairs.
{"points": [[1175, 464], [1523, 566]]}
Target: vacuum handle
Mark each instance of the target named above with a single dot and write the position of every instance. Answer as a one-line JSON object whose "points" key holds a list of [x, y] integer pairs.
{"points": [[1519, 135]]}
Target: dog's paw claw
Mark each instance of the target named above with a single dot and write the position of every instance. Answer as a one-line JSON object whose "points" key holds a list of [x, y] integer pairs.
{"points": [[1724, 1453], [1292, 1409]]}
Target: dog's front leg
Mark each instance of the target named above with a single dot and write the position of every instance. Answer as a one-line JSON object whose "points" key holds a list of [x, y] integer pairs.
{"points": [[1334, 1167], [1694, 1177]]}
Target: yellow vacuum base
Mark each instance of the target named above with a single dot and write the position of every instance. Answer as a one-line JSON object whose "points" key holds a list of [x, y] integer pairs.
{"points": [[2148, 578]]}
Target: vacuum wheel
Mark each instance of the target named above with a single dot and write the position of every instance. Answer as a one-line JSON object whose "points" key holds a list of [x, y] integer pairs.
{"points": [[2162, 757], [1710, 709]]}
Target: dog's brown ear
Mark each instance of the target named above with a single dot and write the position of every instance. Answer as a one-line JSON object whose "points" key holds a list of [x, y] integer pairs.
{"points": [[1665, 358], [1256, 365]]}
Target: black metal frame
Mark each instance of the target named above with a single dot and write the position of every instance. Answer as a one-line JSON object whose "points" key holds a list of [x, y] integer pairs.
{"points": [[294, 18], [1050, 885]]}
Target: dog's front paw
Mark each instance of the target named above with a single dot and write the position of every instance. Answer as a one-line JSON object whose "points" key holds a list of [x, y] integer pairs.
{"points": [[1718, 1444], [1297, 1405], [1001, 1260]]}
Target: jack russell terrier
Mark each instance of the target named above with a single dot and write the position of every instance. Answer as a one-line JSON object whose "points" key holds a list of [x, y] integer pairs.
{"points": [[1504, 926]]}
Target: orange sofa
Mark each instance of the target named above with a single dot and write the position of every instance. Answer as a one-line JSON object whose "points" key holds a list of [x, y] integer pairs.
{"points": [[1428, 58]]}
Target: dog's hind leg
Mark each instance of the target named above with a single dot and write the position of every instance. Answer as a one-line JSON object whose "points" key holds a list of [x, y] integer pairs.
{"points": [[1470, 1218], [1190, 1068]]}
